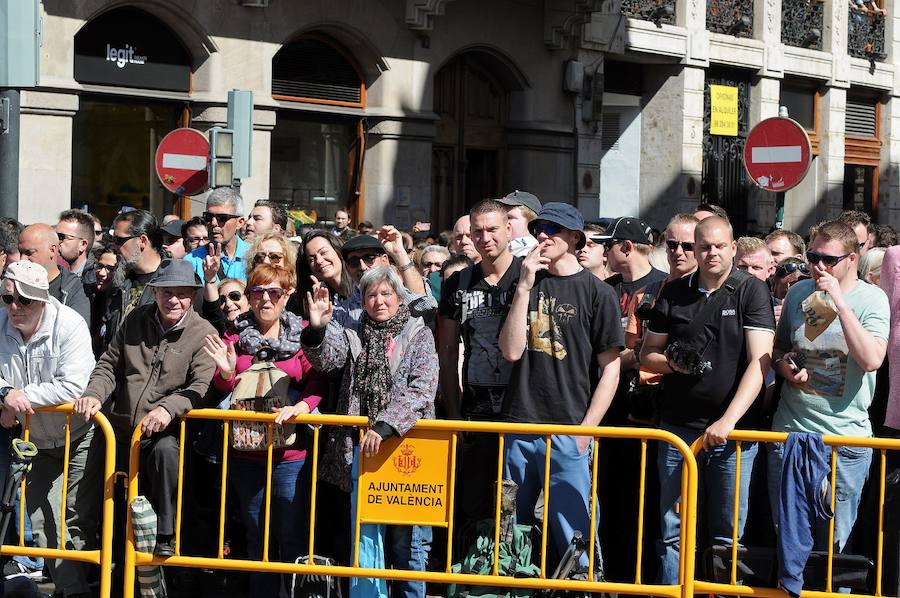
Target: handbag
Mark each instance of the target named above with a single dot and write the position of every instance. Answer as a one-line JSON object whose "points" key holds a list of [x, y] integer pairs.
{"points": [[261, 387]]}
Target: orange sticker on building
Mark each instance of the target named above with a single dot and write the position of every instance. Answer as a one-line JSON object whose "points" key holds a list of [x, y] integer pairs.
{"points": [[408, 482]]}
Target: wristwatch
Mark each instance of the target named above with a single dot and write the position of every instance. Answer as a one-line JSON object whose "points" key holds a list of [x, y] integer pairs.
{"points": [[4, 391], [406, 266]]}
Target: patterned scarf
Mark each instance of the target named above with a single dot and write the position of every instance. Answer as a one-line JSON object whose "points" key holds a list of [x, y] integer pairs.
{"points": [[285, 346], [373, 371]]}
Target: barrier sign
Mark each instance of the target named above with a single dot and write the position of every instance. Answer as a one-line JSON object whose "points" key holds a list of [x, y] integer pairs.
{"points": [[723, 110], [408, 481]]}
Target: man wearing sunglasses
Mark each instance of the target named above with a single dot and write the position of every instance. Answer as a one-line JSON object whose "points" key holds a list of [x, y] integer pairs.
{"points": [[75, 231], [830, 373], [721, 319], [563, 325], [224, 217], [46, 359], [362, 253], [39, 243]]}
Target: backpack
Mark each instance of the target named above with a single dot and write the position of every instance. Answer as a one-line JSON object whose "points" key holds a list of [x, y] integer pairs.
{"points": [[261, 387], [515, 559]]}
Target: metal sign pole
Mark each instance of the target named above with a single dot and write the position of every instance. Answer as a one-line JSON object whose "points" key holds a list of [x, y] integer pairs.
{"points": [[9, 153]]}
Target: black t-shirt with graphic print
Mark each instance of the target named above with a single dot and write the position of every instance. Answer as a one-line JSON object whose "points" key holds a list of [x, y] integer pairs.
{"points": [[571, 319], [481, 309], [698, 401]]}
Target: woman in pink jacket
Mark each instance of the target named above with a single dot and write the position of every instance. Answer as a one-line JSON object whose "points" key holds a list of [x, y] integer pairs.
{"points": [[270, 333]]}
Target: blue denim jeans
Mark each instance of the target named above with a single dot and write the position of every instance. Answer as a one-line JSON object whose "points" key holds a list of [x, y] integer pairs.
{"points": [[852, 473], [289, 519], [717, 482], [569, 506], [409, 549]]}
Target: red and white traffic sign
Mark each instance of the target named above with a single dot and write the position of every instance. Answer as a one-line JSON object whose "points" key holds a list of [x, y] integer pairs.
{"points": [[181, 160], [777, 154]]}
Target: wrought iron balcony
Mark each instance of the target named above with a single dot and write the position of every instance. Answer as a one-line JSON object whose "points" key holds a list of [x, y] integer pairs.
{"points": [[801, 23], [731, 17], [656, 11], [865, 35]]}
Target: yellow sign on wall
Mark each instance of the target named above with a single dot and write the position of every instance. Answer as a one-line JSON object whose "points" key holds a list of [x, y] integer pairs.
{"points": [[723, 110], [408, 481]]}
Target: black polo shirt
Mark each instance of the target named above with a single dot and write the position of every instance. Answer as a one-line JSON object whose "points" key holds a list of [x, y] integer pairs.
{"points": [[698, 401]]}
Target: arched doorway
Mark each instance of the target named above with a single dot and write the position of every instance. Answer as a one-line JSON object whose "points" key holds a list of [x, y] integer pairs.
{"points": [[468, 155], [317, 157], [116, 132]]}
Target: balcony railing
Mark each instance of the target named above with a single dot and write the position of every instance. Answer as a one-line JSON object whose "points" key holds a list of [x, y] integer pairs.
{"points": [[731, 17], [865, 35], [801, 23], [656, 11]]}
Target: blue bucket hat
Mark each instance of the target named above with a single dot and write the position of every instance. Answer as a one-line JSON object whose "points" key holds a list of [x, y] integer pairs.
{"points": [[562, 214]]}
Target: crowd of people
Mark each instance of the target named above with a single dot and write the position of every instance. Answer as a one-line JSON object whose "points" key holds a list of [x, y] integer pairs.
{"points": [[523, 312]]}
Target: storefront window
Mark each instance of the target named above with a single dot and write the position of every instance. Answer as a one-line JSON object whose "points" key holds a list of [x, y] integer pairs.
{"points": [[311, 163], [115, 147]]}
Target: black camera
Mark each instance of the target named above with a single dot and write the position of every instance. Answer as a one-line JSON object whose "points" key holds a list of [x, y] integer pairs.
{"points": [[644, 309], [687, 359]]}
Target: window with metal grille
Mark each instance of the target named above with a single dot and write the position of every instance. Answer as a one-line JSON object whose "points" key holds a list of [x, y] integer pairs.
{"points": [[610, 130], [312, 70], [861, 118]]}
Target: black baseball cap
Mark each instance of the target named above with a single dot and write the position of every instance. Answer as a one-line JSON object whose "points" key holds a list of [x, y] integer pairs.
{"points": [[625, 229], [360, 242], [565, 215], [522, 198], [173, 228]]}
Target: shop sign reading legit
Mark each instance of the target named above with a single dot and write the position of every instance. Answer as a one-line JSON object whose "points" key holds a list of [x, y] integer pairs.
{"points": [[723, 110], [408, 481]]}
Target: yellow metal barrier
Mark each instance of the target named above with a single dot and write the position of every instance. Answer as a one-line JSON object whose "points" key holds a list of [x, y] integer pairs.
{"points": [[101, 556], [451, 431], [882, 445]]}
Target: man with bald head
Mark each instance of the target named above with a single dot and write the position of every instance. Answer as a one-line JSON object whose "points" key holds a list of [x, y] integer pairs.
{"points": [[710, 335], [39, 244], [461, 243]]}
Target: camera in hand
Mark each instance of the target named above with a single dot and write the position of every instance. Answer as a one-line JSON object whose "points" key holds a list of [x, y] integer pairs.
{"points": [[687, 359]]}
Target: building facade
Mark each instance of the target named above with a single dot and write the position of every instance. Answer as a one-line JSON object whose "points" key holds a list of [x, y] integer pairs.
{"points": [[403, 110], [407, 110], [830, 63]]}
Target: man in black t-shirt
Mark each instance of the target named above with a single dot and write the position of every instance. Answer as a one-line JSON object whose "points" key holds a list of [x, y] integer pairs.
{"points": [[736, 340], [563, 319], [627, 250], [474, 304]]}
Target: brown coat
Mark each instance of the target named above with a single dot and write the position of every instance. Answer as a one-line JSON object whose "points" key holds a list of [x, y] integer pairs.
{"points": [[144, 368]]}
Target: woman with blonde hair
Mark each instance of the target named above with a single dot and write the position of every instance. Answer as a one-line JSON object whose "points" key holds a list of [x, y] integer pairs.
{"points": [[271, 248]]}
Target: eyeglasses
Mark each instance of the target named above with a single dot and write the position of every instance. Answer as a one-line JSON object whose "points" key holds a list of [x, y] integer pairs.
{"points": [[198, 239], [98, 233], [787, 269], [208, 217], [233, 296], [19, 299], [609, 243], [686, 246], [64, 237], [430, 265], [369, 259], [829, 260], [546, 228], [274, 256], [122, 240], [274, 293], [101, 266]]}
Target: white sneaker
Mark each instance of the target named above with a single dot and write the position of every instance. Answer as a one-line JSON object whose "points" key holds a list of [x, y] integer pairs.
{"points": [[16, 569]]}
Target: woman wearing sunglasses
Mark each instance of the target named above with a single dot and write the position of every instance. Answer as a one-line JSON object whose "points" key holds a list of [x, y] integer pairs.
{"points": [[105, 295], [269, 326], [274, 249], [232, 299]]}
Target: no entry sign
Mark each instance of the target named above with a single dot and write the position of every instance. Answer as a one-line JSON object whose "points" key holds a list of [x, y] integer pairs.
{"points": [[181, 160], [777, 154]]}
